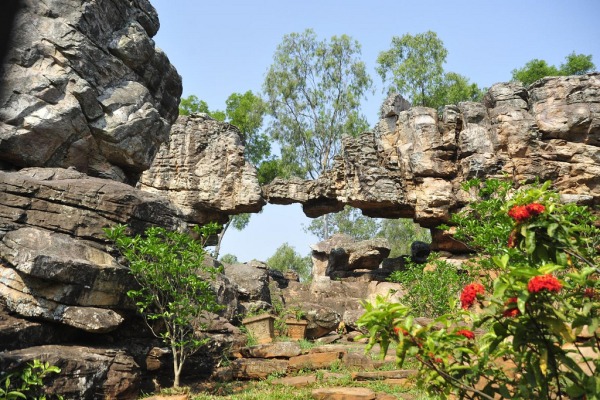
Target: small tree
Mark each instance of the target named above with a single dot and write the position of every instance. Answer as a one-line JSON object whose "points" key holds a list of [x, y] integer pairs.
{"points": [[287, 259], [175, 287], [575, 64]]}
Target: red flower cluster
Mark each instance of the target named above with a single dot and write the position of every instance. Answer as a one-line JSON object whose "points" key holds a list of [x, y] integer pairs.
{"points": [[544, 282], [511, 309], [590, 293], [466, 333], [469, 294], [522, 213], [535, 209]]}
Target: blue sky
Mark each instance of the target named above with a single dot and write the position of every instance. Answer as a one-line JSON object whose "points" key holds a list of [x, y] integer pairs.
{"points": [[222, 47]]}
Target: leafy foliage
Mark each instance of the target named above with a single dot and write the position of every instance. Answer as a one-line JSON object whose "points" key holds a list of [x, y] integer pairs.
{"points": [[415, 64], [430, 289], [314, 90], [575, 64], [533, 317], [175, 286], [28, 383], [286, 258]]}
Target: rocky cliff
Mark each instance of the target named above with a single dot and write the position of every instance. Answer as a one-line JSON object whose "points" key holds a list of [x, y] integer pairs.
{"points": [[414, 162], [86, 100], [83, 85]]}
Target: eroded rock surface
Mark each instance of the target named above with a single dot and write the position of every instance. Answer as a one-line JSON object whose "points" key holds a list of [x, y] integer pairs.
{"points": [[83, 85], [202, 169], [413, 163]]}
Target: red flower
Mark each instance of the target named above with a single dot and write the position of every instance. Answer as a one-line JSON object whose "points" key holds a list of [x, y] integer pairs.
{"points": [[466, 333], [469, 294], [401, 331], [519, 213], [544, 282], [590, 293], [435, 359], [511, 311], [535, 208]]}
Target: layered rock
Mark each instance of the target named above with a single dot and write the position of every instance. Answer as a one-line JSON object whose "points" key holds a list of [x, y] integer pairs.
{"points": [[414, 162], [202, 169], [83, 85]]}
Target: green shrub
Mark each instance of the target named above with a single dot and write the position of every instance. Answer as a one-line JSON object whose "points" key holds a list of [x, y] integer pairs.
{"points": [[27, 383], [175, 285], [428, 292]]}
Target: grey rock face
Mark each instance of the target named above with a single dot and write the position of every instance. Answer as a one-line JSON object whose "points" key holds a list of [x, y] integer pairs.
{"points": [[251, 281], [202, 170], [83, 85]]}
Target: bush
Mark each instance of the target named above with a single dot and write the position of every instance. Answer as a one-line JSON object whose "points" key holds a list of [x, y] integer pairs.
{"points": [[28, 383], [175, 285], [546, 295], [429, 290]]}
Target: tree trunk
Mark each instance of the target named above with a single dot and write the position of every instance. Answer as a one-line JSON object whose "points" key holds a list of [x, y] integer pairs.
{"points": [[220, 239]]}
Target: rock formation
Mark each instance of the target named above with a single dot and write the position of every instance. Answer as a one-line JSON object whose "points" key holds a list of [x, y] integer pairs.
{"points": [[83, 85], [203, 171], [413, 163], [86, 105]]}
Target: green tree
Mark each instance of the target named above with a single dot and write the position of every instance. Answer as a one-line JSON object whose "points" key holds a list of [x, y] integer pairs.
{"points": [[314, 89], [175, 286], [193, 105], [349, 221], [575, 64], [286, 258], [415, 64], [454, 89], [534, 70], [247, 111], [229, 259]]}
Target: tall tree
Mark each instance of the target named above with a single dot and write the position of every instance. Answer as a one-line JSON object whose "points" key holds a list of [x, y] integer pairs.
{"points": [[192, 104], [575, 64], [415, 64], [247, 111], [415, 67], [314, 89]]}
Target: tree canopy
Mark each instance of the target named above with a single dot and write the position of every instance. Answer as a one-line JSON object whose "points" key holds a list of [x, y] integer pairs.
{"points": [[286, 258], [575, 64], [415, 66], [314, 88]]}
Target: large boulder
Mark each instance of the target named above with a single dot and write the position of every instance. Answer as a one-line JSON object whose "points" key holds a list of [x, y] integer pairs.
{"points": [[84, 81], [202, 169], [341, 253], [87, 373]]}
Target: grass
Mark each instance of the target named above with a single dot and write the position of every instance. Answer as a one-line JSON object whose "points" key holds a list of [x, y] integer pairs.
{"points": [[268, 390]]}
